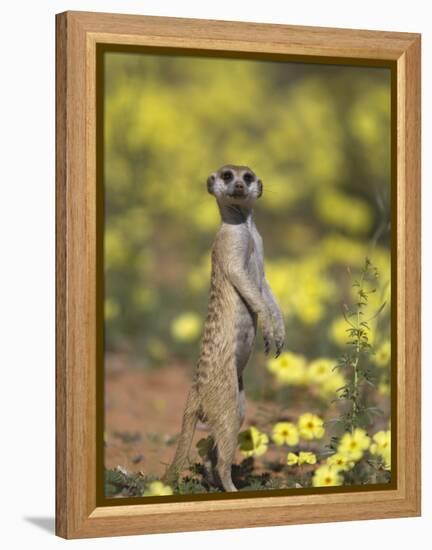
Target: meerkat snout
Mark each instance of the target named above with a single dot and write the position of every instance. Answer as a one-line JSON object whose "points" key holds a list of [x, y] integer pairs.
{"points": [[233, 184], [239, 187]]}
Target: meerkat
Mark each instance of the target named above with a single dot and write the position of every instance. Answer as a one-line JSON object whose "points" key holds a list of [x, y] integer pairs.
{"points": [[240, 299]]}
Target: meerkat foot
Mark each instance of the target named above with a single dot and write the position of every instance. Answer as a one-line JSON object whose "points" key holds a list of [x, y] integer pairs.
{"points": [[224, 472], [225, 459], [229, 487]]}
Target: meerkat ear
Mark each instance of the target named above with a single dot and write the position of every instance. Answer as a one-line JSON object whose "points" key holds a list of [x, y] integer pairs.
{"points": [[210, 182], [260, 188]]}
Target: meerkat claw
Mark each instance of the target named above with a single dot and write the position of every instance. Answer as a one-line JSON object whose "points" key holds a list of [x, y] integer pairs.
{"points": [[279, 347]]}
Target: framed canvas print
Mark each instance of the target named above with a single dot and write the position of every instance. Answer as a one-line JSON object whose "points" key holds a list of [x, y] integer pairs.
{"points": [[238, 274]]}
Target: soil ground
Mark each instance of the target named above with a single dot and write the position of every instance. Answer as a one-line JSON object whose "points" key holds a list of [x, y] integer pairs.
{"points": [[143, 413]]}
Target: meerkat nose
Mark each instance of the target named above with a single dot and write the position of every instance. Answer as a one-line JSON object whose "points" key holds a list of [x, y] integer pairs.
{"points": [[239, 185]]}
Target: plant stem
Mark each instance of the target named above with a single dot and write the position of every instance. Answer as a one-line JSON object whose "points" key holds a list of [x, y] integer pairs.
{"points": [[355, 390]]}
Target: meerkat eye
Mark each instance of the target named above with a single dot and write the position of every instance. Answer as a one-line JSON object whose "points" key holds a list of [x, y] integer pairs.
{"points": [[227, 176], [248, 178]]}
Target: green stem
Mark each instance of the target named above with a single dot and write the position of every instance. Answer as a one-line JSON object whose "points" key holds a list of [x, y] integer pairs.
{"points": [[355, 405]]}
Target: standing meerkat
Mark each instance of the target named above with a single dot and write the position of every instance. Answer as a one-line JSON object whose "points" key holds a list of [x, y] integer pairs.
{"points": [[240, 298]]}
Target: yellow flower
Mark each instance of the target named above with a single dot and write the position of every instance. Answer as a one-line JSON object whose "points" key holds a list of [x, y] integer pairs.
{"points": [[320, 370], [339, 249], [333, 208], [112, 309], [382, 356], [310, 426], [306, 457], [157, 488], [340, 462], [292, 459], [206, 217], [145, 298], [186, 327], [381, 442], [288, 368], [253, 442], [308, 309], [387, 465], [326, 476], [308, 302], [302, 458], [333, 383], [384, 388], [353, 445], [382, 446], [339, 331], [285, 433]]}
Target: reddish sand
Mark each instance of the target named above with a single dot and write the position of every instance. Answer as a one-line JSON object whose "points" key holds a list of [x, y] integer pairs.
{"points": [[143, 416]]}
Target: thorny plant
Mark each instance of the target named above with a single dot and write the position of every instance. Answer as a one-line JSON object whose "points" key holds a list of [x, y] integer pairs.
{"points": [[355, 363]]}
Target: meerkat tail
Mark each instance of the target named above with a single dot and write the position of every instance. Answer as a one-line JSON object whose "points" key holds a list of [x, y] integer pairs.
{"points": [[190, 417]]}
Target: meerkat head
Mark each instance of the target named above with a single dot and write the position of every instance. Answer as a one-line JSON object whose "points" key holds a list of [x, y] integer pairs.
{"points": [[235, 185]]}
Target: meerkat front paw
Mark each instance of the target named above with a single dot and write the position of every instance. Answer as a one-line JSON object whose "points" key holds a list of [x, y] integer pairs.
{"points": [[266, 323], [279, 338]]}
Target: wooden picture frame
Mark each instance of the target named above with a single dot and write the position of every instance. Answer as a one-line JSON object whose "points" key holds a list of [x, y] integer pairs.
{"points": [[79, 34]]}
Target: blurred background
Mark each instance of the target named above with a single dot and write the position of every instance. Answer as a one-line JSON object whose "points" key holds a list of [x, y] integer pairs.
{"points": [[319, 138]]}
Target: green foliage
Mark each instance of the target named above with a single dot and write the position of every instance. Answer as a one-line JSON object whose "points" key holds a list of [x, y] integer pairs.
{"points": [[119, 482], [359, 415]]}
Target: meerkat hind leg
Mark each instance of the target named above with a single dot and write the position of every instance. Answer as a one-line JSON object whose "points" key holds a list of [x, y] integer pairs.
{"points": [[226, 443], [226, 440], [226, 453]]}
